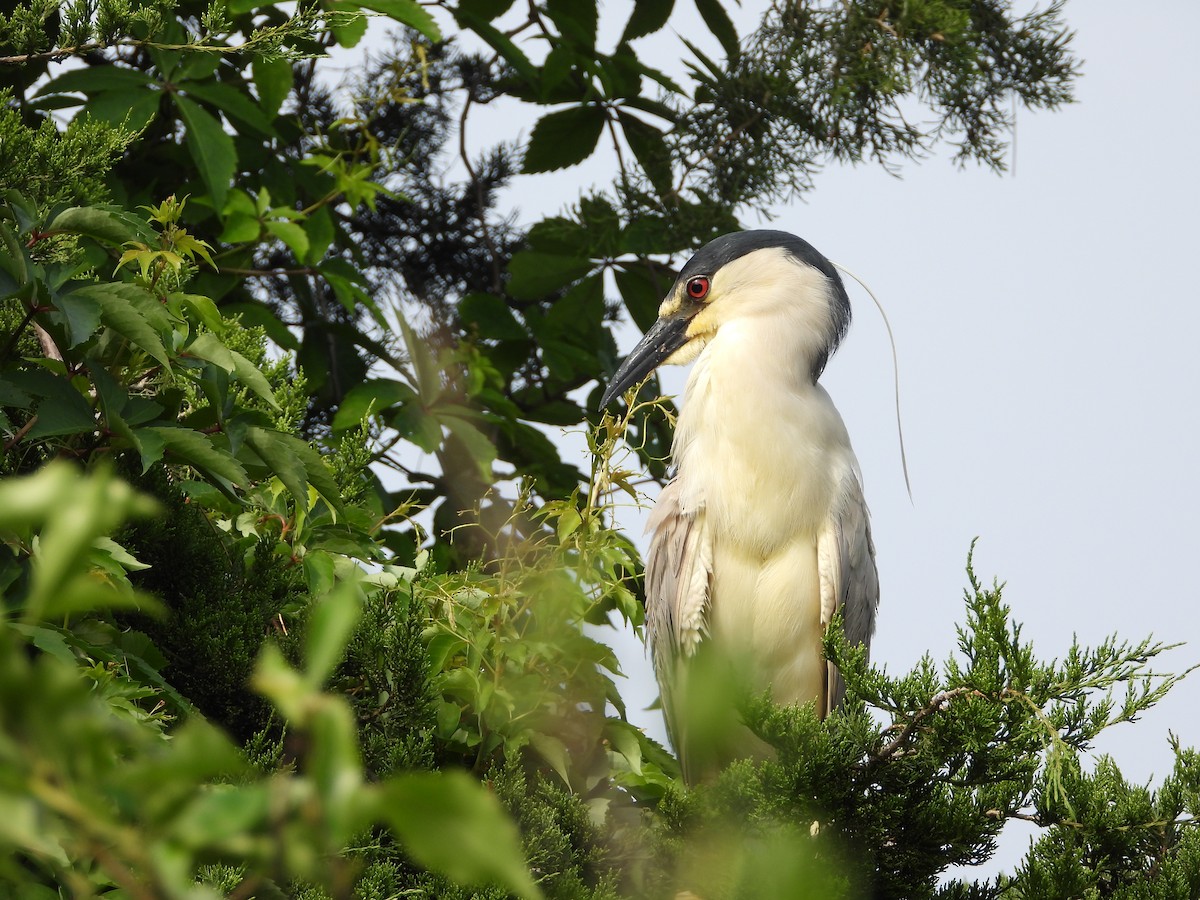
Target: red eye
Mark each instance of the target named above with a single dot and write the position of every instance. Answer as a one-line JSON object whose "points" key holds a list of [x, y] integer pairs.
{"points": [[697, 288]]}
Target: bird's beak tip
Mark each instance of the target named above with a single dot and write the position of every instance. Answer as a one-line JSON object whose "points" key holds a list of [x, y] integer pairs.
{"points": [[664, 337]]}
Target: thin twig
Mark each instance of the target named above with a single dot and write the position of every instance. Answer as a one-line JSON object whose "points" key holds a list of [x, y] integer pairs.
{"points": [[937, 704]]}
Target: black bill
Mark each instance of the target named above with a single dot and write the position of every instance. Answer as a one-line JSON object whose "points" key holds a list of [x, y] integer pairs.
{"points": [[664, 337]]}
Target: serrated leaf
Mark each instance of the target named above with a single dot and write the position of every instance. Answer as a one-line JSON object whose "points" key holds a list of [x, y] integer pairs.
{"points": [[349, 33], [568, 523], [281, 460], [648, 16], [273, 80], [95, 79], [203, 308], [449, 823], [717, 19], [249, 375], [125, 109], [198, 450], [499, 42], [407, 12], [208, 347], [564, 138], [150, 447], [576, 19], [296, 464], [211, 148], [534, 275], [318, 572], [101, 224], [486, 9], [650, 149], [122, 308], [82, 316], [62, 410], [320, 230]]}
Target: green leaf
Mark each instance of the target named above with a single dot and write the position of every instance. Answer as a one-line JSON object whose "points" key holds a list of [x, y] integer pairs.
{"points": [[203, 310], [122, 308], [318, 572], [648, 17], [329, 626], [273, 80], [320, 230], [500, 42], [208, 347], [370, 398], [60, 410], [240, 229], [221, 812], [485, 9], [449, 823], [211, 148], [291, 234], [82, 316], [492, 317], [150, 447], [95, 79], [102, 224], [407, 12], [296, 464], [233, 103], [643, 285], [198, 450], [577, 19], [478, 445], [534, 275], [249, 375], [717, 19], [650, 149], [349, 33], [564, 138], [128, 110]]}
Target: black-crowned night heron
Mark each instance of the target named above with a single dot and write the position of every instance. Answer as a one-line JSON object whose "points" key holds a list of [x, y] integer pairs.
{"points": [[762, 535]]}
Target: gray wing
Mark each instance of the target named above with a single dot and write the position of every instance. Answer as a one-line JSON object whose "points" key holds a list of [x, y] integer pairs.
{"points": [[849, 581], [678, 577]]}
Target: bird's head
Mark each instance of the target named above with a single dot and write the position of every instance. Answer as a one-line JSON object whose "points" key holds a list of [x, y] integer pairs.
{"points": [[770, 275]]}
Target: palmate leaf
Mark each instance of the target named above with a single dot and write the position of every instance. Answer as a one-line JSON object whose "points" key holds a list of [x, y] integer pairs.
{"points": [[564, 138], [296, 464]]}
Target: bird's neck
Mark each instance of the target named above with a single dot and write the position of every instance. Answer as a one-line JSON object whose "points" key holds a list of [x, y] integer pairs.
{"points": [[758, 437]]}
